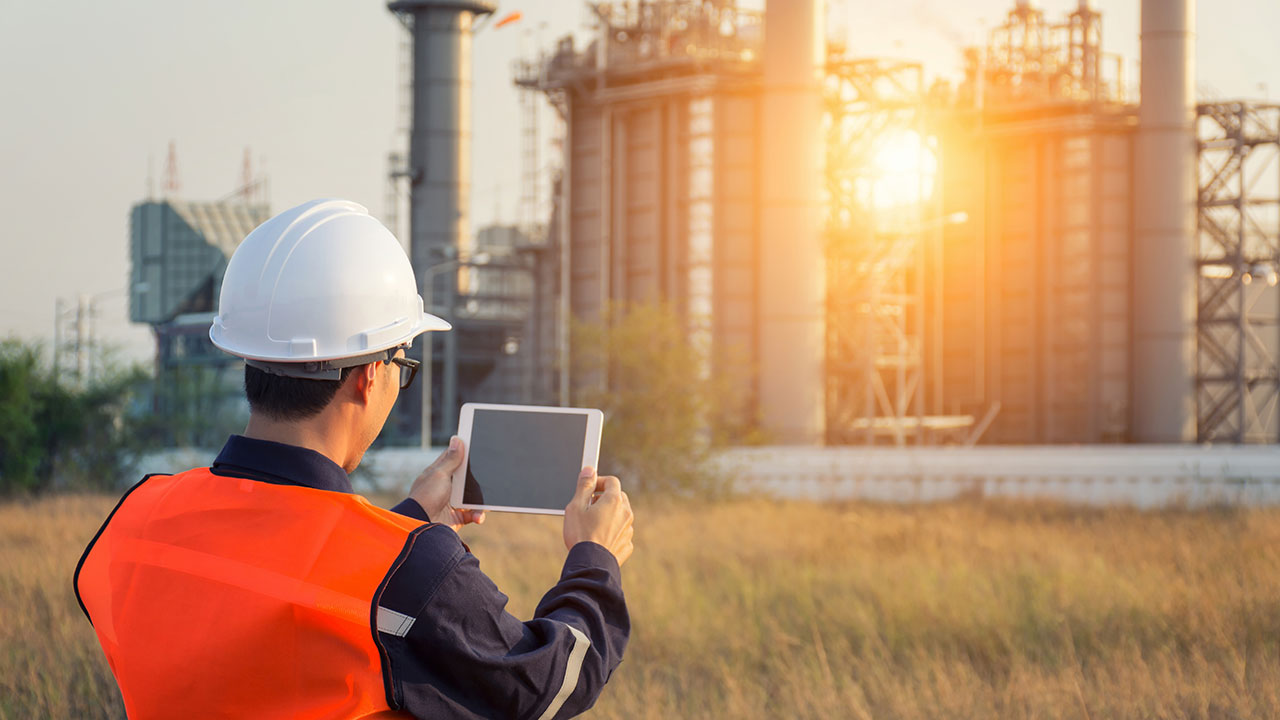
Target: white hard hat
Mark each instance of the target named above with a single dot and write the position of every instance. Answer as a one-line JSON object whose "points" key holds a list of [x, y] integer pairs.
{"points": [[317, 287]]}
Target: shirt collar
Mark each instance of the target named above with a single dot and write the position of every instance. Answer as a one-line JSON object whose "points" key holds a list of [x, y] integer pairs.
{"points": [[280, 463]]}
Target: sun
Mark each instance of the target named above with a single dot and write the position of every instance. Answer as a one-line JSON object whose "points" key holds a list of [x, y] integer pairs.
{"points": [[903, 168]]}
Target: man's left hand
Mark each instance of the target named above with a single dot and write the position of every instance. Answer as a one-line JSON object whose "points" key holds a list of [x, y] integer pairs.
{"points": [[434, 487]]}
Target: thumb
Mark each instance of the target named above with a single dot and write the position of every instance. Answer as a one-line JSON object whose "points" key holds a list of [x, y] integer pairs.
{"points": [[450, 460], [586, 482]]}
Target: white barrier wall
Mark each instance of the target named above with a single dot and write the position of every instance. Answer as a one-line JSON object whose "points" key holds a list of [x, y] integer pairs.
{"points": [[1143, 476]]}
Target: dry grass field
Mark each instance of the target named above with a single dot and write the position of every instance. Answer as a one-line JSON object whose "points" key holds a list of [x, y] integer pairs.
{"points": [[755, 609]]}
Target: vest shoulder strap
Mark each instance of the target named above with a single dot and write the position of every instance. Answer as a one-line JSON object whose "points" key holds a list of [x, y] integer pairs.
{"points": [[75, 580]]}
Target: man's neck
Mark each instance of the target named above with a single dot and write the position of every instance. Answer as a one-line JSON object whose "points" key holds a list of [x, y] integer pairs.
{"points": [[312, 434]]}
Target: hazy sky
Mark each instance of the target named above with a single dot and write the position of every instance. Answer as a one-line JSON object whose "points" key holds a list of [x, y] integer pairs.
{"points": [[93, 91]]}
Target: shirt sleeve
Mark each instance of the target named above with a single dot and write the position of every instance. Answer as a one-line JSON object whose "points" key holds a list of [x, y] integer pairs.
{"points": [[459, 653], [411, 508]]}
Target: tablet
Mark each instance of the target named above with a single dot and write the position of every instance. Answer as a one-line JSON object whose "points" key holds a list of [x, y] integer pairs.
{"points": [[524, 458]]}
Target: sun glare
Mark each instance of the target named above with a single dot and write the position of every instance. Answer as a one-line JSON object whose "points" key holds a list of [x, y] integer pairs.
{"points": [[904, 168]]}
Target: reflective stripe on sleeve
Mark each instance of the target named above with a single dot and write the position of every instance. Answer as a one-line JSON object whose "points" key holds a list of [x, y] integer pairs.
{"points": [[393, 623], [571, 672]]}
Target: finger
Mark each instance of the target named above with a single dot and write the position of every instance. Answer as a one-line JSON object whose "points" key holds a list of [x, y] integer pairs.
{"points": [[598, 491], [610, 484], [479, 517], [586, 484], [449, 460]]}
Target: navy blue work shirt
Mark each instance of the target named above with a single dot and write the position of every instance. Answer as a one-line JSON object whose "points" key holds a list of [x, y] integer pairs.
{"points": [[453, 649]]}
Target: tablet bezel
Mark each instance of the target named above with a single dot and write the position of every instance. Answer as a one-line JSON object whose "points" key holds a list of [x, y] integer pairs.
{"points": [[590, 450]]}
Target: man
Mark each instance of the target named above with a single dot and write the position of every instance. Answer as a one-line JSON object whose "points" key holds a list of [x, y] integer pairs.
{"points": [[262, 587]]}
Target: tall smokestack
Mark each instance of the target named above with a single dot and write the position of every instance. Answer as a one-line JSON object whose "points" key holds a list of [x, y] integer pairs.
{"points": [[1165, 227], [440, 170], [792, 262]]}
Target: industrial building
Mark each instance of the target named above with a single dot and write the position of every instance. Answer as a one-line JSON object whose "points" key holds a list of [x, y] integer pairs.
{"points": [[1029, 256], [1034, 306], [1033, 254], [179, 251], [966, 272]]}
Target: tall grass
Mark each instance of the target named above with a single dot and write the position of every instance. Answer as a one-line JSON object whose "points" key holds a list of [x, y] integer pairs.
{"points": [[50, 662], [754, 609]]}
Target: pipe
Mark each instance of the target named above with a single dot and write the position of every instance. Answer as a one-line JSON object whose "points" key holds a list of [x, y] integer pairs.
{"points": [[792, 316], [1165, 228]]}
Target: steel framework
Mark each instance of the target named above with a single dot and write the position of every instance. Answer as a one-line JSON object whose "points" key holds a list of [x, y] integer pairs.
{"points": [[1238, 303], [1032, 59], [878, 256]]}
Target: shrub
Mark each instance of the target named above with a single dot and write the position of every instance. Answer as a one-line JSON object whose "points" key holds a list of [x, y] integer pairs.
{"points": [[667, 409]]}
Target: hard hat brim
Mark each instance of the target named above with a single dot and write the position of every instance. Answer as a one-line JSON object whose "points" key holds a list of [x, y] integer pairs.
{"points": [[426, 323]]}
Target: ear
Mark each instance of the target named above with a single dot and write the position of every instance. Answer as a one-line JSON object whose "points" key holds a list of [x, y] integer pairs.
{"points": [[362, 383]]}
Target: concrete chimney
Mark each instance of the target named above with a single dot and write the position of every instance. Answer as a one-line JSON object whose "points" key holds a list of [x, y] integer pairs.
{"points": [[440, 171], [792, 314], [1164, 270]]}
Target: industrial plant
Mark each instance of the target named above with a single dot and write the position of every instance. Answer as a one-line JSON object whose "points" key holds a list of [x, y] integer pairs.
{"points": [[1033, 254]]}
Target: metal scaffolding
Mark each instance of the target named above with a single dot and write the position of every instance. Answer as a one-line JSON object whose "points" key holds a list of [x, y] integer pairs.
{"points": [[1030, 58], [878, 258], [1238, 303]]}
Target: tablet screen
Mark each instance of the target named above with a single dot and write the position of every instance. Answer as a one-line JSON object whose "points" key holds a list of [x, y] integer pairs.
{"points": [[524, 459]]}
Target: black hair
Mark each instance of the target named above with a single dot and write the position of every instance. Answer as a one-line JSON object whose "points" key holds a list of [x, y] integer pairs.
{"points": [[289, 398]]}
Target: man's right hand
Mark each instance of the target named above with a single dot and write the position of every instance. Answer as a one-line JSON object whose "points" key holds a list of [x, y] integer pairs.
{"points": [[600, 513]]}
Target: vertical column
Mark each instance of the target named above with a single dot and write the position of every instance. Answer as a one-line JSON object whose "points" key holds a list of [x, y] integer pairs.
{"points": [[1164, 271], [792, 261], [564, 305], [439, 167]]}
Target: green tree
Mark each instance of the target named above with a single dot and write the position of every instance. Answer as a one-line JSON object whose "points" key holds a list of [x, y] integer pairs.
{"points": [[20, 449], [668, 404], [56, 435]]}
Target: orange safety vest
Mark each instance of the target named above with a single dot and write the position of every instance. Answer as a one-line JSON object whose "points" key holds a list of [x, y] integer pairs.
{"points": [[218, 596]]}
